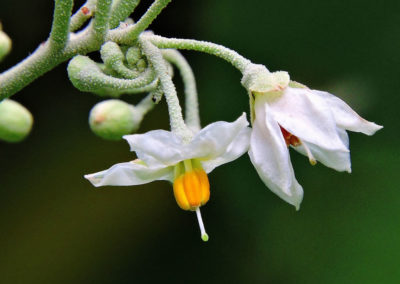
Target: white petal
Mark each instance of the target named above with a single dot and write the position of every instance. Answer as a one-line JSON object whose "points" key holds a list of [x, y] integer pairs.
{"points": [[305, 115], [346, 117], [237, 148], [130, 173], [157, 147], [164, 148], [214, 140], [270, 157]]}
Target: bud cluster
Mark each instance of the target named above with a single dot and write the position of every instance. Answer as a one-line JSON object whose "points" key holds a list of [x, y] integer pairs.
{"points": [[123, 70]]}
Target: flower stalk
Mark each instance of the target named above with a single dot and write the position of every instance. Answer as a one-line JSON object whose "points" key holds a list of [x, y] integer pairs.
{"points": [[155, 58], [229, 55], [192, 116], [60, 28]]}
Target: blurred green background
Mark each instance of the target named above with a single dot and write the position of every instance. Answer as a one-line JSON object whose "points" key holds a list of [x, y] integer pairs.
{"points": [[56, 228]]}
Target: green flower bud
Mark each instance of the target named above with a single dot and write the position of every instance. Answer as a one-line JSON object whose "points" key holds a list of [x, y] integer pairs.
{"points": [[111, 119], [5, 44], [133, 54], [15, 121], [141, 65]]}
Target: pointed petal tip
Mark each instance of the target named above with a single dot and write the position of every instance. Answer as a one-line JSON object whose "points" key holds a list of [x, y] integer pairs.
{"points": [[297, 203], [95, 181], [374, 128], [368, 128], [243, 118]]}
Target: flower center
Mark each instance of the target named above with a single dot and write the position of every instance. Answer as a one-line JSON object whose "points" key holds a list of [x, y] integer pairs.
{"points": [[191, 186], [290, 139], [295, 141]]}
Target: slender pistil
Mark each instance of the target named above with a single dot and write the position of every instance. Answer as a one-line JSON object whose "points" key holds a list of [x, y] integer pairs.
{"points": [[203, 233], [311, 158]]}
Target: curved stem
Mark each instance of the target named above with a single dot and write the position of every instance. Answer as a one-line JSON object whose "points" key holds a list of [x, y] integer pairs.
{"points": [[130, 34], [192, 117], [87, 76], [121, 9], [227, 54], [154, 56], [82, 15], [44, 59], [145, 105]]}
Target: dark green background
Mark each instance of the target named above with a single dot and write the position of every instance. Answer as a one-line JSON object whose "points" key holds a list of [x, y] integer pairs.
{"points": [[56, 228]]}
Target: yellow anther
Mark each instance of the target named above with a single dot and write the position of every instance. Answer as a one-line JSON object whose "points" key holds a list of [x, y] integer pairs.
{"points": [[192, 189], [205, 186], [179, 193]]}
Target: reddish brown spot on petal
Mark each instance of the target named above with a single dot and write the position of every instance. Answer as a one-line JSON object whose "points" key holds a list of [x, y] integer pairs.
{"points": [[290, 139]]}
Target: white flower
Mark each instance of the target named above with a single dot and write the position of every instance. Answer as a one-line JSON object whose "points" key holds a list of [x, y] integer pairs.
{"points": [[313, 122], [162, 155]]}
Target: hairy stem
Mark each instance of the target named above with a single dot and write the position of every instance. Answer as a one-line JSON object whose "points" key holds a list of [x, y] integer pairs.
{"points": [[60, 28], [227, 54], [82, 15], [45, 58], [100, 24], [192, 117], [154, 56], [130, 34], [121, 9]]}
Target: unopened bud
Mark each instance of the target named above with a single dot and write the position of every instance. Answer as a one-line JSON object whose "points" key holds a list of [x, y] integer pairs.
{"points": [[15, 121], [5, 44], [111, 119], [133, 54], [141, 65]]}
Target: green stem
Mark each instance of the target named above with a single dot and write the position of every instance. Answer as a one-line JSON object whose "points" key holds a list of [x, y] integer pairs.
{"points": [[60, 28], [100, 24], [154, 56], [121, 9], [44, 58], [227, 54], [40, 62], [192, 117], [145, 105], [86, 75], [79, 18], [129, 35]]}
